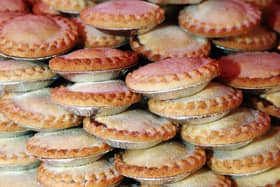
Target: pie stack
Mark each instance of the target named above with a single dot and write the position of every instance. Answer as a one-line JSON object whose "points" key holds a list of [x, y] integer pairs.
{"points": [[168, 92]]}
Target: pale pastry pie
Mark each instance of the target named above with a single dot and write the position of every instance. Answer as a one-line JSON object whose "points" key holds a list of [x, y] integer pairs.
{"points": [[173, 74], [13, 153], [255, 70], [24, 178], [13, 6], [5, 16], [41, 8], [9, 127], [267, 179], [11, 71], [123, 15], [175, 2], [169, 41], [219, 18], [260, 155], [214, 99], [201, 178], [100, 94], [239, 127], [134, 126], [96, 174], [54, 144], [94, 59], [94, 38], [165, 160], [34, 110], [39, 36], [69, 6], [259, 39], [265, 106]]}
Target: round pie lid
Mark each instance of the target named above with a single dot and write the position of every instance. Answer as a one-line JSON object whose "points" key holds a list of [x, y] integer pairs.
{"points": [[56, 144], [241, 126], [95, 94], [40, 37], [126, 16], [13, 155], [169, 41], [134, 129], [157, 166], [268, 178], [35, 111], [13, 6], [172, 74], [265, 148], [200, 105], [205, 18], [259, 39], [25, 178], [100, 173], [255, 70]]}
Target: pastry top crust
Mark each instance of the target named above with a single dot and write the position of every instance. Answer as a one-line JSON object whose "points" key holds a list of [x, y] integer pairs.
{"points": [[100, 94], [39, 36], [267, 179], [25, 178], [173, 73], [158, 162], [56, 144], [96, 59], [205, 18], [203, 177], [123, 14], [100, 173], [34, 109], [13, 152], [256, 40], [134, 125], [241, 125], [169, 41], [215, 98], [71, 6], [251, 70], [11, 70], [13, 6], [7, 125]]}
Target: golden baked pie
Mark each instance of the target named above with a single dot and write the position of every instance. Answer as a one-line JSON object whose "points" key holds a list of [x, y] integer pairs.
{"points": [[4, 16], [259, 39], [260, 155], [55, 144], [255, 70], [131, 129], [235, 130], [99, 173], [260, 3], [265, 106], [169, 162], [219, 18], [9, 128], [169, 41], [123, 15], [13, 6], [179, 2], [41, 8], [13, 154], [69, 6], [267, 179], [24, 178], [213, 100], [94, 59], [201, 178], [24, 76], [186, 74], [108, 94], [35, 111], [94, 38], [39, 36]]}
